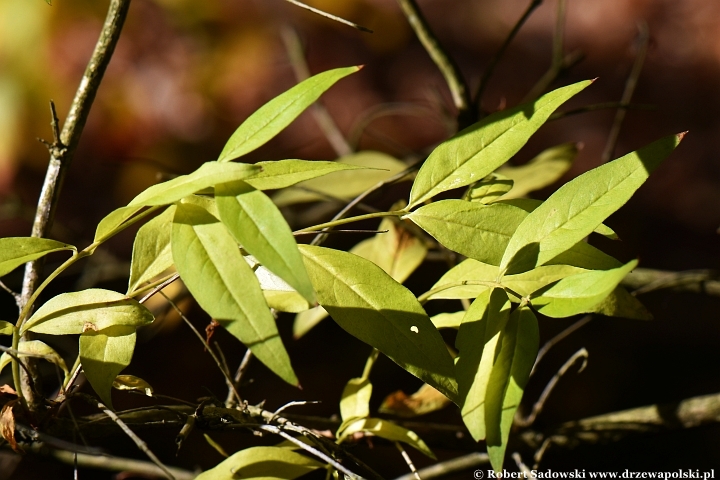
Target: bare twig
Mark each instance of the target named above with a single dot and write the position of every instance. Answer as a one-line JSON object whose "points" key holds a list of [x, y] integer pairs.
{"points": [[16, 296], [558, 338], [642, 40], [340, 231], [385, 110], [450, 71], [239, 374], [644, 280], [408, 460], [330, 16], [521, 465], [322, 117], [159, 287], [447, 467]]}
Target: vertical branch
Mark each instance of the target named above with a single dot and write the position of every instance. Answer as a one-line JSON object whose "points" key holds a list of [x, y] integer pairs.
{"points": [[448, 68]]}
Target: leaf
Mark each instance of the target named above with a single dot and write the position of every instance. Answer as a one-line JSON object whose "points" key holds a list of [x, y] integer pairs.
{"points": [[355, 401], [539, 277], [579, 293], [218, 448], [397, 251], [257, 224], [579, 206], [477, 231], [477, 342], [344, 185], [262, 463], [478, 150], [212, 267], [92, 309], [7, 425], [448, 320], [104, 354], [367, 303], [305, 321], [487, 191], [291, 302], [387, 430], [6, 328], [113, 221], [621, 304], [15, 251], [520, 340], [458, 280], [208, 175], [279, 174], [278, 113], [422, 402], [36, 348], [131, 382], [151, 253], [584, 255], [541, 171]]}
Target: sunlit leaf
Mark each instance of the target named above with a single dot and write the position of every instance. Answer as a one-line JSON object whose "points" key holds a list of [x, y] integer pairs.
{"points": [[6, 328], [477, 231], [103, 355], [305, 321], [541, 171], [579, 293], [579, 206], [355, 401], [519, 343], [367, 303], [131, 382], [208, 175], [490, 189], [478, 150], [14, 251], [114, 220], [278, 113], [343, 185], [424, 401], [621, 304], [36, 348], [477, 342], [387, 430], [584, 255], [448, 320], [92, 309], [212, 267], [257, 224], [528, 282], [283, 301], [262, 463], [152, 253], [285, 173], [457, 283]]}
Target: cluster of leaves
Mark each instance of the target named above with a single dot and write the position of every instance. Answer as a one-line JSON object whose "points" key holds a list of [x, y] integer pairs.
{"points": [[232, 248]]}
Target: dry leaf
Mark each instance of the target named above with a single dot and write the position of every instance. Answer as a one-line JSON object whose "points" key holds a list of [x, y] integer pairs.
{"points": [[7, 425], [425, 400], [7, 389]]}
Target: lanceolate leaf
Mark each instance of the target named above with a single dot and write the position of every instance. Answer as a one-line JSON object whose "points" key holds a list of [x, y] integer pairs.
{"points": [[424, 401], [490, 189], [448, 320], [93, 309], [209, 174], [537, 278], [355, 401], [212, 267], [387, 430], [541, 171], [584, 255], [35, 348], [621, 304], [285, 173], [459, 280], [477, 342], [14, 251], [478, 150], [579, 206], [519, 343], [579, 293], [104, 354], [477, 231], [6, 328], [260, 228], [305, 321], [151, 254], [131, 382], [114, 220], [262, 463], [367, 303]]}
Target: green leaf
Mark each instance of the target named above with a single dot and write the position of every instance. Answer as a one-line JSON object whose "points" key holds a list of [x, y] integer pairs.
{"points": [[621, 304], [478, 150], [104, 354], [519, 343], [285, 173], [584, 255], [477, 342], [15, 251], [355, 401], [367, 303], [344, 185], [490, 189], [93, 309], [212, 267], [457, 280], [257, 224], [262, 463], [305, 321], [397, 251], [541, 171], [422, 402], [282, 301], [448, 320], [131, 382], [387, 430], [579, 293], [537, 278], [6, 328], [152, 253], [278, 113], [208, 175], [36, 348], [477, 231], [114, 220], [579, 206]]}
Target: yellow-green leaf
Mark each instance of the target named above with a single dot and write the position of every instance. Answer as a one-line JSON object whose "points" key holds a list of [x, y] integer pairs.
{"points": [[6, 328], [541, 171], [355, 401], [103, 355], [285, 173], [114, 220], [489, 189], [305, 321], [584, 255], [457, 283], [131, 382], [283, 301], [621, 304], [15, 251], [528, 282], [387, 430], [262, 463], [448, 320], [37, 349], [152, 253]]}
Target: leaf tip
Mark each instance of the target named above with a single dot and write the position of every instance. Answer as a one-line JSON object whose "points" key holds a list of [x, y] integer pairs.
{"points": [[360, 67], [592, 80], [681, 135]]}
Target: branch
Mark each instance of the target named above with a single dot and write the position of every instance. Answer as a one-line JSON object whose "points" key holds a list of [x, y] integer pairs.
{"points": [[644, 280], [449, 466], [329, 15]]}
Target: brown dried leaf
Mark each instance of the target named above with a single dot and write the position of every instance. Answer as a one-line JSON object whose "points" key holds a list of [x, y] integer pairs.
{"points": [[425, 400], [7, 389], [7, 425]]}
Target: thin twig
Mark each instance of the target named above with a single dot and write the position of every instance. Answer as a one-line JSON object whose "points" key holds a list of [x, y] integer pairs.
{"points": [[294, 403], [295, 52], [642, 41], [330, 16], [16, 296], [408, 460], [521, 465], [450, 71], [159, 287], [558, 338], [239, 374], [644, 280], [490, 69], [540, 404], [340, 231], [387, 109], [447, 467]]}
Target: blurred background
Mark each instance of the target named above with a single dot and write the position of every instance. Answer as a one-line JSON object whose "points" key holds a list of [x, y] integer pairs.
{"points": [[185, 74]]}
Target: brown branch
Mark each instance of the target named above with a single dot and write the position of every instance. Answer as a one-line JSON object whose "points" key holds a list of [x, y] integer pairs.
{"points": [[644, 280], [447, 467], [330, 16]]}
